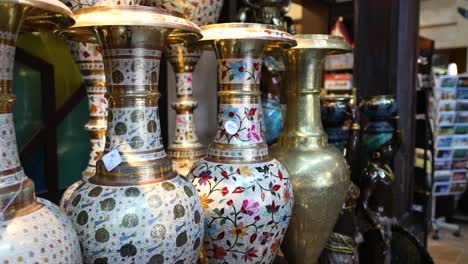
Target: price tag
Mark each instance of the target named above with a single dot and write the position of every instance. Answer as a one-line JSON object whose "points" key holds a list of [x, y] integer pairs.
{"points": [[112, 159], [230, 127]]}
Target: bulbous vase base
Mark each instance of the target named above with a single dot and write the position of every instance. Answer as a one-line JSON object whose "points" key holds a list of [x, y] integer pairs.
{"points": [[320, 179], [67, 194], [150, 223], [247, 209], [45, 235]]}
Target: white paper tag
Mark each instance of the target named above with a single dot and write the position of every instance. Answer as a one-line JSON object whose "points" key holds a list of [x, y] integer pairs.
{"points": [[230, 127], [112, 159]]}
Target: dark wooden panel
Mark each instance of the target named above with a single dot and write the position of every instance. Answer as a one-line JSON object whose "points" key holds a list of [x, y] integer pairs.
{"points": [[386, 33]]}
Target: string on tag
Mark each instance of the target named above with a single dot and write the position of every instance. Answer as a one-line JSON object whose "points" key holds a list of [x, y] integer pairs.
{"points": [[2, 213]]}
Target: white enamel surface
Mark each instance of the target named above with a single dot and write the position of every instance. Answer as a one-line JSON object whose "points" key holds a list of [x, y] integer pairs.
{"points": [[138, 224], [43, 236], [240, 225]]}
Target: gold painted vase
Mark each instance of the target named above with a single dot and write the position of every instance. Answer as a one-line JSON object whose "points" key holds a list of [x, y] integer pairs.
{"points": [[185, 148], [319, 173], [140, 211], [246, 195], [32, 230]]}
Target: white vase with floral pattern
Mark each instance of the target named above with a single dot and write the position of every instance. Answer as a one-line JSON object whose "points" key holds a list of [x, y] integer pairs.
{"points": [[246, 195]]}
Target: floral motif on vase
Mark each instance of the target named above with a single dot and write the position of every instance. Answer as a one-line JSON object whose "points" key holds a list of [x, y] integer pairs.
{"points": [[239, 124], [239, 71], [247, 209]]}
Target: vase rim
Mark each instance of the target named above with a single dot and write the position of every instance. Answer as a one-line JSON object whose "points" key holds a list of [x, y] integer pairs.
{"points": [[131, 16], [380, 97], [335, 97], [247, 31], [45, 13], [334, 44]]}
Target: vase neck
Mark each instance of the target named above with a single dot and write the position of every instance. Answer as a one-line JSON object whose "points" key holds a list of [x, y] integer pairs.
{"points": [[89, 60], [17, 195], [133, 128], [185, 131], [240, 135], [303, 127], [185, 143]]}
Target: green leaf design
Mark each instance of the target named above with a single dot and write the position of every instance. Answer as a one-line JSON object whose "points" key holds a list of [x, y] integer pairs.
{"points": [[231, 77], [223, 221], [217, 212]]}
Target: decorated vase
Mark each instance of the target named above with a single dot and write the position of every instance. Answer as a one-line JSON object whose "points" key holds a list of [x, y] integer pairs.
{"points": [[334, 110], [32, 230], [318, 170], [136, 209], [89, 60], [185, 148], [246, 195]]}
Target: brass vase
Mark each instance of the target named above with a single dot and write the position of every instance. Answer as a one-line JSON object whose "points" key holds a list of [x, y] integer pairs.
{"points": [[246, 195], [185, 148], [32, 230], [319, 172], [139, 211]]}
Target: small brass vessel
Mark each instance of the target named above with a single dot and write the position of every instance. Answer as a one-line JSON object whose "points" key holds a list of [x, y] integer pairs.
{"points": [[319, 173]]}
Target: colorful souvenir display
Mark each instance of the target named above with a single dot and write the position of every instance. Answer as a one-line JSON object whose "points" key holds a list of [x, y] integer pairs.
{"points": [[246, 195], [135, 209], [185, 148], [33, 230], [319, 173]]}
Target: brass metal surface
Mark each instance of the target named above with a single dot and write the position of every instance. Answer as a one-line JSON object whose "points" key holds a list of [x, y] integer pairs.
{"points": [[319, 172], [181, 29]]}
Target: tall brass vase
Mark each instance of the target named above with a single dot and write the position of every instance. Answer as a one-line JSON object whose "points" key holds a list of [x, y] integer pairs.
{"points": [[140, 211], [319, 172], [246, 195]]}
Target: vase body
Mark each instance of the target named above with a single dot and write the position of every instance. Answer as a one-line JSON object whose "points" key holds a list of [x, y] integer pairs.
{"points": [[140, 211], [33, 230], [341, 246], [185, 148], [89, 60], [246, 195], [319, 172]]}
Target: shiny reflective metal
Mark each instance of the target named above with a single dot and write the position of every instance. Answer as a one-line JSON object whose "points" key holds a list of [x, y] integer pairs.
{"points": [[319, 172], [24, 218]]}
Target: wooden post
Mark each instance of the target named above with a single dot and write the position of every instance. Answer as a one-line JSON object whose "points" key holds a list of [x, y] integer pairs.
{"points": [[386, 33]]}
